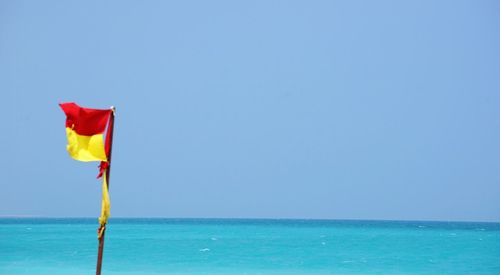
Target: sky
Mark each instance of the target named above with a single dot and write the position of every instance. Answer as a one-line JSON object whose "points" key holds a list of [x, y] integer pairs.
{"points": [[256, 109]]}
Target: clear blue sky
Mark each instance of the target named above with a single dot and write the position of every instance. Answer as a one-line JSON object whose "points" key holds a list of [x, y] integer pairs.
{"points": [[269, 109]]}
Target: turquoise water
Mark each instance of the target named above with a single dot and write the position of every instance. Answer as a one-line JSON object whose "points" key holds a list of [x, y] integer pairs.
{"points": [[214, 246]]}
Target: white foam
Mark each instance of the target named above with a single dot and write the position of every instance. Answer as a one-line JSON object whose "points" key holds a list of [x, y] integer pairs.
{"points": [[204, 249]]}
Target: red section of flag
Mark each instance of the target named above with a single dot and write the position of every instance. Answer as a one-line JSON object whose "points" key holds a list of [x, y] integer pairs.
{"points": [[85, 121], [102, 168]]}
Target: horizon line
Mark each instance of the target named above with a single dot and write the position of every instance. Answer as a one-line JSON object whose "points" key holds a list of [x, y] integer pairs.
{"points": [[245, 218]]}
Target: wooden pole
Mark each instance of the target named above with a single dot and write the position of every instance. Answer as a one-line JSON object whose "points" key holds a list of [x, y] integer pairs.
{"points": [[103, 227]]}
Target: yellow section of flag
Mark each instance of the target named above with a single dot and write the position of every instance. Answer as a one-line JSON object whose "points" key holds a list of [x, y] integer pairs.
{"points": [[85, 148], [106, 205]]}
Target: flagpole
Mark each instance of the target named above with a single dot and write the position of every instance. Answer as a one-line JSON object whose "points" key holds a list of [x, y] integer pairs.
{"points": [[103, 227]]}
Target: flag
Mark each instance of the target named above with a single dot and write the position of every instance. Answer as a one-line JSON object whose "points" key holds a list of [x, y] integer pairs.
{"points": [[84, 129]]}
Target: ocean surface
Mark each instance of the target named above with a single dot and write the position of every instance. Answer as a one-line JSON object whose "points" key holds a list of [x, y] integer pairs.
{"points": [[234, 246]]}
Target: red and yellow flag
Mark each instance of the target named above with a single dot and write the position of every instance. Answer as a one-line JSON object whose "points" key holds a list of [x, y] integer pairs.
{"points": [[85, 128]]}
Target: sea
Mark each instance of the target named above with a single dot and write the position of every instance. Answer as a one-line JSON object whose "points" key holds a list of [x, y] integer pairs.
{"points": [[248, 246]]}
